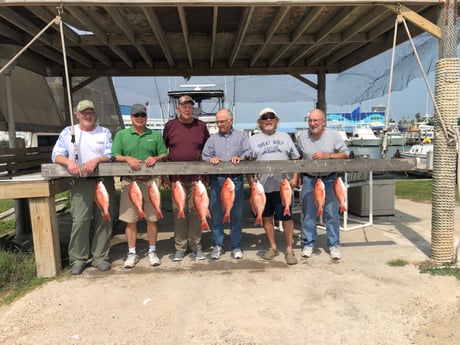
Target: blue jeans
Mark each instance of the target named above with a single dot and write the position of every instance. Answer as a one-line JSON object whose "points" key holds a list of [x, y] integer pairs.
{"points": [[236, 214], [330, 212]]}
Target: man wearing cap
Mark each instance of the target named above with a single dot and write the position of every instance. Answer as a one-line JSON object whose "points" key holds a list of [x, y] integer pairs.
{"points": [[81, 148], [228, 145], [320, 142], [185, 137], [138, 145], [270, 144]]}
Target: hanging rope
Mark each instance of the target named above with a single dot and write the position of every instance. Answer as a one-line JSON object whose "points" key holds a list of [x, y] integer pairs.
{"points": [[390, 83], [67, 80], [27, 46], [450, 133]]}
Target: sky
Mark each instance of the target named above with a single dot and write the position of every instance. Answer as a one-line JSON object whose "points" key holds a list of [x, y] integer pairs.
{"points": [[404, 104]]}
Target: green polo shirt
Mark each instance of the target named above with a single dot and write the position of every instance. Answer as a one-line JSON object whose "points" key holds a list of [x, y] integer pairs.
{"points": [[128, 142]]}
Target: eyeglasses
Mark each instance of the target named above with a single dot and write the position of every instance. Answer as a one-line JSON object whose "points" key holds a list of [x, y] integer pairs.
{"points": [[267, 116], [140, 115], [88, 113], [222, 121]]}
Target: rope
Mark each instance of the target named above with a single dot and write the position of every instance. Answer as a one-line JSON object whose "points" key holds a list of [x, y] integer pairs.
{"points": [[387, 109], [67, 80], [443, 203], [449, 133], [27, 46]]}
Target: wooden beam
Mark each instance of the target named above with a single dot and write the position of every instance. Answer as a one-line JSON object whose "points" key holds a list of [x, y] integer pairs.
{"points": [[282, 13], [417, 20], [154, 23], [245, 167], [243, 28]]}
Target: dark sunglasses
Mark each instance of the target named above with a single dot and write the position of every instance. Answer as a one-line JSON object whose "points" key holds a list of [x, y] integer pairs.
{"points": [[267, 116], [140, 115]]}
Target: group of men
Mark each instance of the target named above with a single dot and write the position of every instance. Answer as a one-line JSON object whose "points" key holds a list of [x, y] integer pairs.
{"points": [[186, 138]]}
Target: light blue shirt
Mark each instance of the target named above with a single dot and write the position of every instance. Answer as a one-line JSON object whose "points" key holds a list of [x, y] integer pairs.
{"points": [[225, 146]]}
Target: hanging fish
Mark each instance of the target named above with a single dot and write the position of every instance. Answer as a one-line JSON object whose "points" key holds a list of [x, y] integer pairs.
{"points": [[201, 203], [178, 194], [319, 196], [286, 196], [257, 201], [340, 191], [135, 195], [155, 198], [227, 198], [101, 197]]}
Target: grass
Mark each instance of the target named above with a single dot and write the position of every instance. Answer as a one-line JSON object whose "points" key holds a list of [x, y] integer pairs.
{"points": [[397, 263], [17, 275], [443, 270], [418, 190]]}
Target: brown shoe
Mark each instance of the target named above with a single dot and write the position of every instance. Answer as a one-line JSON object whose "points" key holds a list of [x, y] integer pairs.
{"points": [[270, 254], [290, 258]]}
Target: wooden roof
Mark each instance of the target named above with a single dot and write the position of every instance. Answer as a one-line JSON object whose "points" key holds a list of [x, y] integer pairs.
{"points": [[185, 38]]}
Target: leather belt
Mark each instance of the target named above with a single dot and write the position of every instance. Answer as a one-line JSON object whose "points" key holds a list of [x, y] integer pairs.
{"points": [[138, 178], [319, 175]]}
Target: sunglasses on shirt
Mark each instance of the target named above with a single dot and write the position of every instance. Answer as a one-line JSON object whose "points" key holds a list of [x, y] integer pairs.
{"points": [[268, 116], [140, 115]]}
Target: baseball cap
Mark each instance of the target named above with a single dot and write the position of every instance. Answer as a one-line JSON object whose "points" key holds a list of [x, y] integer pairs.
{"points": [[185, 99], [138, 108], [85, 104], [267, 110]]}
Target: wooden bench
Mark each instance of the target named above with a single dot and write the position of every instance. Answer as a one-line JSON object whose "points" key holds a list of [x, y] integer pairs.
{"points": [[20, 161]]}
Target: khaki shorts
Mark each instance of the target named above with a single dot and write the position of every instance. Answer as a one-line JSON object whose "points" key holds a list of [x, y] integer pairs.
{"points": [[128, 212]]}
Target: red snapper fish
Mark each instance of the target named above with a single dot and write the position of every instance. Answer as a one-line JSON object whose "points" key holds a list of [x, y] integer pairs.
{"points": [[155, 198], [257, 201], [286, 195], [319, 196], [201, 203], [340, 192], [135, 195], [101, 197], [179, 198], [227, 198]]}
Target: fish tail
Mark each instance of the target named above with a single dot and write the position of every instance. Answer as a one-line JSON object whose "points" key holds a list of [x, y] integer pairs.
{"points": [[204, 225], [258, 220]]}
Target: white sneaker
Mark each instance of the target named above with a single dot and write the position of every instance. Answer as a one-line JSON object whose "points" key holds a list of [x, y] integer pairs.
{"points": [[237, 253], [217, 251], [131, 260], [154, 259], [307, 251], [335, 252]]}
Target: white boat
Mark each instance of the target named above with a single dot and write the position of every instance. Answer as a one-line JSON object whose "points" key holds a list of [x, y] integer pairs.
{"points": [[423, 153], [418, 151], [395, 138], [365, 136]]}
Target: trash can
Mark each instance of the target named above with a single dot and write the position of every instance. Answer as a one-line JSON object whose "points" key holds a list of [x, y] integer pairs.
{"points": [[383, 197]]}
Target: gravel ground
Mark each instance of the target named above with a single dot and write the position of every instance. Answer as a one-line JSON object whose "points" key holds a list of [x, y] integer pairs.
{"points": [[358, 300]]}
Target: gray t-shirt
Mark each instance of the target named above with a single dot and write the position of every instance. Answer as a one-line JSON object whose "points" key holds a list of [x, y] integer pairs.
{"points": [[330, 141], [278, 146]]}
